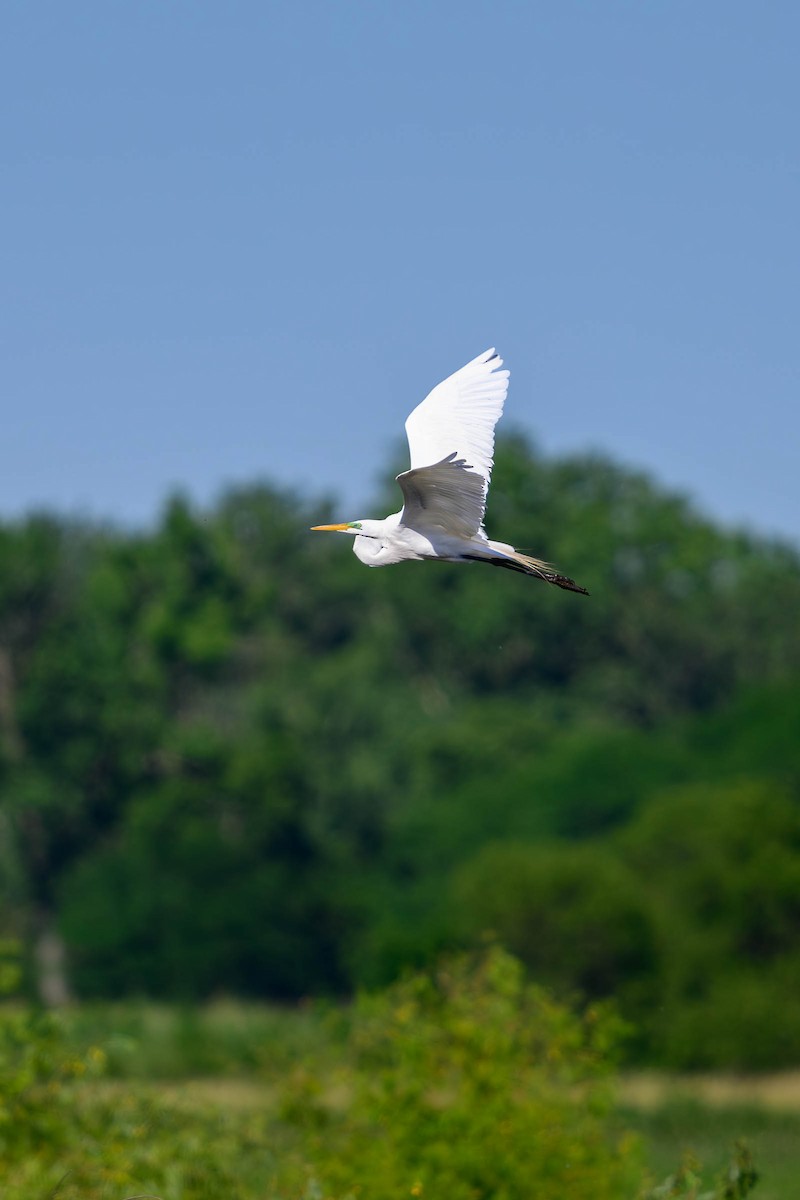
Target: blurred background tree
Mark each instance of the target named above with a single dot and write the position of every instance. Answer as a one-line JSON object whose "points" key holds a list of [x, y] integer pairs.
{"points": [[234, 761]]}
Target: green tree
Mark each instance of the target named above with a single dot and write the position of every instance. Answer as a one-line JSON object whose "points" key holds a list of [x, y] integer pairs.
{"points": [[575, 916], [722, 865], [227, 675]]}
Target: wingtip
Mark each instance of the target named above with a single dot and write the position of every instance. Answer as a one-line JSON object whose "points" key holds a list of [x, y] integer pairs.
{"points": [[491, 359]]}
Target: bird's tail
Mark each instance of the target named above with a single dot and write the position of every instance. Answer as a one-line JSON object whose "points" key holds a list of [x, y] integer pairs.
{"points": [[514, 560]]}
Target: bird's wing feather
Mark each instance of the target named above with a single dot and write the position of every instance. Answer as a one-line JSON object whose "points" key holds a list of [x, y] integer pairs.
{"points": [[459, 416], [447, 497]]}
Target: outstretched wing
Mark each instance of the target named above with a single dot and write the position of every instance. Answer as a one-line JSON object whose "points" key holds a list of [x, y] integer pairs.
{"points": [[459, 416], [447, 497]]}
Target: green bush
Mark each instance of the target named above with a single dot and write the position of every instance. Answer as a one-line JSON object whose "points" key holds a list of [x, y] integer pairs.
{"points": [[574, 914], [61, 1135], [470, 1083]]}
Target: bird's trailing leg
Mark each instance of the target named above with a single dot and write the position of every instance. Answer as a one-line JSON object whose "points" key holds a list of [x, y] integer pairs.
{"points": [[513, 560]]}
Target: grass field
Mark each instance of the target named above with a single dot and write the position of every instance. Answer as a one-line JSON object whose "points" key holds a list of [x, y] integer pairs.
{"points": [[704, 1116]]}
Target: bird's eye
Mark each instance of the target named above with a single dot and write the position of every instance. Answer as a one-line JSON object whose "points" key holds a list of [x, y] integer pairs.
{"points": [[354, 525]]}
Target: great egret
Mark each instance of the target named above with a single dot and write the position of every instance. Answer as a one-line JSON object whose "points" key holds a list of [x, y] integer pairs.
{"points": [[451, 438]]}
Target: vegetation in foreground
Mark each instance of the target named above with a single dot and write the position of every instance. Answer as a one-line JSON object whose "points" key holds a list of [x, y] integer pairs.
{"points": [[468, 1082]]}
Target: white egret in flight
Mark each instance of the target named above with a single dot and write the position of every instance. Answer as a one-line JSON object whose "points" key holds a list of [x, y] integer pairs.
{"points": [[451, 438]]}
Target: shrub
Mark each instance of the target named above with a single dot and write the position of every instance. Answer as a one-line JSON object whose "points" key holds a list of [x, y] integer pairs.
{"points": [[574, 915], [61, 1135], [470, 1083]]}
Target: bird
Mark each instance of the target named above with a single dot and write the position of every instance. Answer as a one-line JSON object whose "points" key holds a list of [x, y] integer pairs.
{"points": [[451, 442]]}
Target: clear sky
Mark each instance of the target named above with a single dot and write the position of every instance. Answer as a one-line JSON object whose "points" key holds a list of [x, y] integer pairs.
{"points": [[243, 239]]}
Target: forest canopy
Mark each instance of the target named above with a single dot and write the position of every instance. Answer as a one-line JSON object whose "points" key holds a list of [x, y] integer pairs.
{"points": [[233, 760]]}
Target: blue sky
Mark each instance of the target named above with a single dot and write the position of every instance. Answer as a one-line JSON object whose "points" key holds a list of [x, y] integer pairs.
{"points": [[242, 240]]}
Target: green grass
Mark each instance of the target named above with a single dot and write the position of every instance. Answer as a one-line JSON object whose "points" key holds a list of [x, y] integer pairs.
{"points": [[707, 1132], [226, 1039]]}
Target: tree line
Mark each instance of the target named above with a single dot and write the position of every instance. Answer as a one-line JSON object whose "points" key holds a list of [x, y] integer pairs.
{"points": [[232, 760]]}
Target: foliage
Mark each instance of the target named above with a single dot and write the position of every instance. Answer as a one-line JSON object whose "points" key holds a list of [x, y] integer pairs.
{"points": [[234, 761], [471, 1083], [226, 1039], [722, 865], [680, 1130], [737, 1181], [574, 914], [688, 916], [58, 1136]]}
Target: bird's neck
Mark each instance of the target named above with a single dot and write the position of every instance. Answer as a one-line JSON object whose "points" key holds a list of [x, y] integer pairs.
{"points": [[374, 544]]}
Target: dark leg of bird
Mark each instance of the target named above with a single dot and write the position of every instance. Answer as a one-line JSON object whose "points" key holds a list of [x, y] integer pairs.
{"points": [[562, 581]]}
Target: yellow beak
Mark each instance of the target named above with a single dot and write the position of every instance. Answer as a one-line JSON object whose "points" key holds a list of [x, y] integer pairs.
{"points": [[330, 528]]}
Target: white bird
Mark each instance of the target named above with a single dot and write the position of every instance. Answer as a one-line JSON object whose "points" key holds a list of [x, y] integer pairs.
{"points": [[451, 439]]}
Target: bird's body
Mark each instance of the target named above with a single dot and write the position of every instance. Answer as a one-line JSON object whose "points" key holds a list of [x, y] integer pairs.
{"points": [[451, 439]]}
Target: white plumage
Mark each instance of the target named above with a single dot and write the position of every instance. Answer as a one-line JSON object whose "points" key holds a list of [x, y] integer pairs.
{"points": [[451, 440], [459, 416]]}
